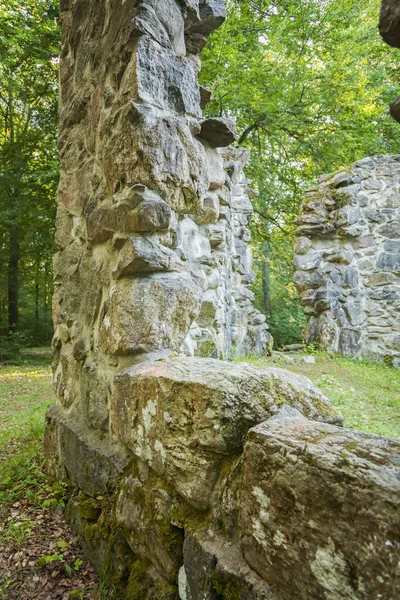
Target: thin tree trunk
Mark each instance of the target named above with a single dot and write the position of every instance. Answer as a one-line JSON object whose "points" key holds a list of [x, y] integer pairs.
{"points": [[37, 300], [13, 283]]}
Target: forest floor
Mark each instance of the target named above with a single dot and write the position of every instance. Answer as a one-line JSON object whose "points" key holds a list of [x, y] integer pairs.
{"points": [[40, 557]]}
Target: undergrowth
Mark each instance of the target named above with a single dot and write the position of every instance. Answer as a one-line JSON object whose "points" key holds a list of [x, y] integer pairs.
{"points": [[39, 555]]}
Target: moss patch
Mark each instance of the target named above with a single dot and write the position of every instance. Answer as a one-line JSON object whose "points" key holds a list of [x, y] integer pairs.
{"points": [[226, 587]]}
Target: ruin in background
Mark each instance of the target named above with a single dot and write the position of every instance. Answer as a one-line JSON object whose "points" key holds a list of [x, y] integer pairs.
{"points": [[347, 260]]}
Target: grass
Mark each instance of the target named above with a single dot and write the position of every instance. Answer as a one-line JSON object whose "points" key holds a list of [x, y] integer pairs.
{"points": [[25, 393], [367, 393], [38, 551]]}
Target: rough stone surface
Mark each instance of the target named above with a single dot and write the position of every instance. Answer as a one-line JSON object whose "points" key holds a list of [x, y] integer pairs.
{"points": [[166, 456], [189, 414], [347, 260], [389, 22], [218, 132], [300, 520]]}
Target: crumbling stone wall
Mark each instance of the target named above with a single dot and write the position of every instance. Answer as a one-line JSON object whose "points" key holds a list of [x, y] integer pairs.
{"points": [[347, 260], [149, 208], [188, 477]]}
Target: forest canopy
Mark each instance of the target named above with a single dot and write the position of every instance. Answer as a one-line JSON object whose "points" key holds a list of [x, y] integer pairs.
{"points": [[308, 82]]}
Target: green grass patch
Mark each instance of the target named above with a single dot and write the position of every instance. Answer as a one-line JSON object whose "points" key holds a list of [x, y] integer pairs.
{"points": [[25, 393], [367, 393]]}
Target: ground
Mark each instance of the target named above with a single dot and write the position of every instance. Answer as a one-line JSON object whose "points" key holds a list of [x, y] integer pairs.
{"points": [[366, 392], [40, 559]]}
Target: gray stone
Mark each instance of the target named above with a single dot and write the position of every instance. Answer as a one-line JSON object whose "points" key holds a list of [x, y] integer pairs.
{"points": [[389, 262], [190, 413], [213, 566], [302, 246], [390, 230], [349, 261], [139, 211], [144, 255], [296, 473], [212, 14], [218, 131], [85, 458], [210, 211], [131, 326], [392, 246], [163, 21], [160, 77], [215, 167], [305, 280]]}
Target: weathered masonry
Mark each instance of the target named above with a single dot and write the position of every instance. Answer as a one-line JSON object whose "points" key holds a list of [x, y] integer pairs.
{"points": [[189, 477], [347, 260]]}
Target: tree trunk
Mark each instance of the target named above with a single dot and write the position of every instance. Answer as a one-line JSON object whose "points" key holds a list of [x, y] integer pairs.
{"points": [[13, 265], [37, 301]]}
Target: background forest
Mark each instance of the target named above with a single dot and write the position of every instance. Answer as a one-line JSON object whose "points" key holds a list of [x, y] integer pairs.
{"points": [[308, 82]]}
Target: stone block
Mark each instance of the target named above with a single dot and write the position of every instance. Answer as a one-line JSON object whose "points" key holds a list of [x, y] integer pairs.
{"points": [[162, 79], [131, 325], [184, 416], [64, 225], [319, 511], [163, 21], [144, 255], [90, 461], [210, 210], [302, 245], [214, 568], [215, 167], [219, 132], [211, 15], [389, 262], [192, 243], [390, 230], [143, 511], [140, 212], [306, 280]]}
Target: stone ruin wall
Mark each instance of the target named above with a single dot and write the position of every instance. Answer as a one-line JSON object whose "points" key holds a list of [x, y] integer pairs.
{"points": [[188, 477], [347, 260], [148, 206]]}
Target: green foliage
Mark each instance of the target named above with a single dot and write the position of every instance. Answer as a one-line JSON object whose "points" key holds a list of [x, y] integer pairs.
{"points": [[11, 345], [29, 40], [284, 314], [308, 83], [25, 393]]}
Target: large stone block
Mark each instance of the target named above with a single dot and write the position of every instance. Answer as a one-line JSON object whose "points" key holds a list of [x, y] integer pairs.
{"points": [[320, 511], [163, 21], [185, 416], [150, 313], [389, 23], [144, 255], [164, 79], [86, 459]]}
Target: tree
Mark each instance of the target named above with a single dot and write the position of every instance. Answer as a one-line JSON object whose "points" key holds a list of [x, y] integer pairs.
{"points": [[308, 83], [29, 40]]}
